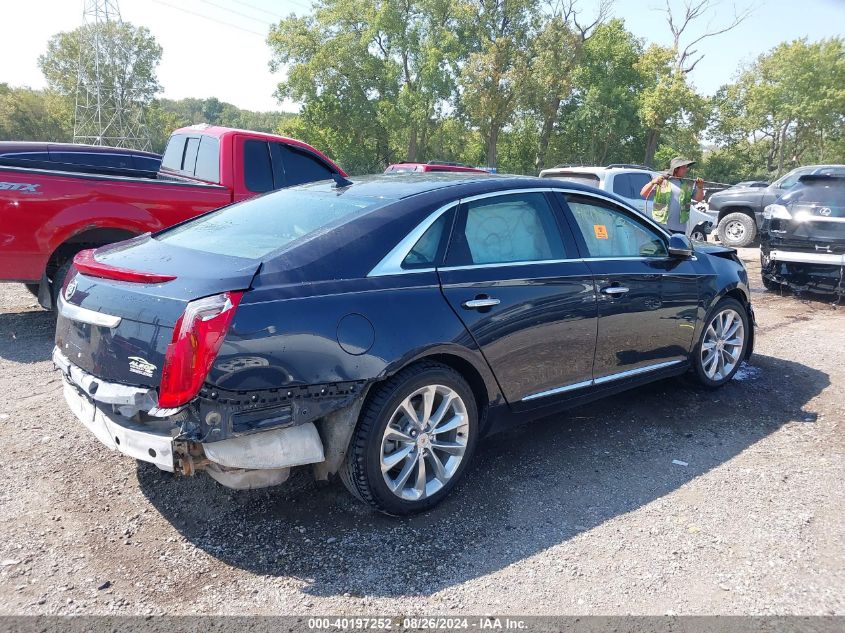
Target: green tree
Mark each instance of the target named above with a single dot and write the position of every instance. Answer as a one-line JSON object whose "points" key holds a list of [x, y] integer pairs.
{"points": [[787, 108], [33, 115], [122, 70]]}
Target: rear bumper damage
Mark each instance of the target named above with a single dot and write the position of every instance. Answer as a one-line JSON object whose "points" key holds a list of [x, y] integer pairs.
{"points": [[126, 419]]}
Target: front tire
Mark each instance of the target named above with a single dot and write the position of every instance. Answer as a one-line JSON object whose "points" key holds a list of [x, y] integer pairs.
{"points": [[416, 434], [723, 343], [737, 229]]}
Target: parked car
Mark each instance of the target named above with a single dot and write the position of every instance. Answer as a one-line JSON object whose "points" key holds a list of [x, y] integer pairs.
{"points": [[626, 181], [802, 242], [88, 159], [433, 166], [377, 329], [49, 215], [738, 212]]}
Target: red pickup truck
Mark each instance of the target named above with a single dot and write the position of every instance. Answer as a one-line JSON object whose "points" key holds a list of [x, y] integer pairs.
{"points": [[47, 215]]}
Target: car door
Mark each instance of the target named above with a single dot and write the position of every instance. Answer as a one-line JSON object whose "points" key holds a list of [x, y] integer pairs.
{"points": [[513, 276], [647, 300]]}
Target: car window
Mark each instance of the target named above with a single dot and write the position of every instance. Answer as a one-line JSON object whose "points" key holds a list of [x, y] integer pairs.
{"points": [[610, 232], [790, 179], [258, 226], [189, 164], [425, 251], [629, 185], [208, 159], [301, 167], [174, 152], [518, 227], [258, 171]]}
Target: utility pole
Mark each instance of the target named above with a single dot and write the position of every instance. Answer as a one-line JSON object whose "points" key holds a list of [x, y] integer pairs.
{"points": [[105, 114]]}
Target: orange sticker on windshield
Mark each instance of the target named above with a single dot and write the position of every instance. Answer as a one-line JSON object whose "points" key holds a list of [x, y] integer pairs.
{"points": [[601, 231]]}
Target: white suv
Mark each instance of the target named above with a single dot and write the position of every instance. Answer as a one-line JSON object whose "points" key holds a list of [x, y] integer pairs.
{"points": [[626, 181]]}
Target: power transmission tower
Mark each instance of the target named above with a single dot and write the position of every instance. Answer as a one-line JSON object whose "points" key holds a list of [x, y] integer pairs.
{"points": [[106, 113]]}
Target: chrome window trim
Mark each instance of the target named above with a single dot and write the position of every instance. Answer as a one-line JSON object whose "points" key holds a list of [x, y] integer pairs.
{"points": [[501, 264], [602, 380], [391, 264], [84, 315]]}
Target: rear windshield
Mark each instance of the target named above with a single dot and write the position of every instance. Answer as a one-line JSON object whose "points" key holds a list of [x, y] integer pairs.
{"points": [[576, 176], [254, 228]]}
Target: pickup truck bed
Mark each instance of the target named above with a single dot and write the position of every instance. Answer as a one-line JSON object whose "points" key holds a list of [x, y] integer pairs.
{"points": [[50, 215]]}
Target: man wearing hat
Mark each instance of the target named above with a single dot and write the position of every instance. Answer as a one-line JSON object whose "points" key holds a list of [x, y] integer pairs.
{"points": [[672, 195]]}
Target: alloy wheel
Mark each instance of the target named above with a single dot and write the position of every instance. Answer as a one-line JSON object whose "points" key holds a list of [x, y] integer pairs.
{"points": [[424, 442], [721, 348]]}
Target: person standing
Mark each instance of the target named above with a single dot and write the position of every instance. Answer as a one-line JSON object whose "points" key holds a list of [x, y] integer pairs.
{"points": [[673, 196]]}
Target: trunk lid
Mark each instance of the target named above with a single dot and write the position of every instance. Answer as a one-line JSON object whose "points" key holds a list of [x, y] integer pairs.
{"points": [[119, 330]]}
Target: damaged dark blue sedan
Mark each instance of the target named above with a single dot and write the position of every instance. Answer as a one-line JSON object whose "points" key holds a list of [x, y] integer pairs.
{"points": [[376, 329]]}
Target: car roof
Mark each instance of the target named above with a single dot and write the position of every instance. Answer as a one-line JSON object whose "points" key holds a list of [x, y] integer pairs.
{"points": [[35, 146], [585, 169], [398, 186]]}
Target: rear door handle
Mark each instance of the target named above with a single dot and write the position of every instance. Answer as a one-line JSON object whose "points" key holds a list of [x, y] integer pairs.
{"points": [[615, 290], [478, 303]]}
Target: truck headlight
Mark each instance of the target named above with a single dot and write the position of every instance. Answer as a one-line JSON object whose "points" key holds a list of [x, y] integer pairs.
{"points": [[776, 212]]}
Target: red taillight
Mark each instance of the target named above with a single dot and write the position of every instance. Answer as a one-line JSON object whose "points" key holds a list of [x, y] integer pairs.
{"points": [[197, 337], [86, 264]]}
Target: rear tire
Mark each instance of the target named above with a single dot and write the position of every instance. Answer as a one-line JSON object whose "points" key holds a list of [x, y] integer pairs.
{"points": [[737, 229], [59, 281], [401, 464], [723, 343]]}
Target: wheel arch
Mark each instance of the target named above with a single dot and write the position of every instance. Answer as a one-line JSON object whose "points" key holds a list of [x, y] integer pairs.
{"points": [[736, 208], [740, 295], [85, 238]]}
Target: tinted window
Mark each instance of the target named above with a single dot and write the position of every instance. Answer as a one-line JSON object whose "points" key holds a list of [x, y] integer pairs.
{"points": [[172, 158], [425, 251], [259, 226], [629, 185], [610, 232], [792, 177], [574, 176], [509, 228], [301, 168], [208, 159], [191, 148], [258, 172]]}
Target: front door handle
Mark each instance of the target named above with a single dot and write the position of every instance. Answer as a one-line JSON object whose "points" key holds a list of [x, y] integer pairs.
{"points": [[615, 290], [479, 303]]}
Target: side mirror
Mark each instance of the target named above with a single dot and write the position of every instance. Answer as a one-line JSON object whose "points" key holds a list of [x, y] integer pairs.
{"points": [[679, 246]]}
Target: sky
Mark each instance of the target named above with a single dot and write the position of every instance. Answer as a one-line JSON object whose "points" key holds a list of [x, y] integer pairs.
{"points": [[218, 48]]}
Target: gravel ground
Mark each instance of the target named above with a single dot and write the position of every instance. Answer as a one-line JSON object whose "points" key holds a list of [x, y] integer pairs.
{"points": [[578, 514]]}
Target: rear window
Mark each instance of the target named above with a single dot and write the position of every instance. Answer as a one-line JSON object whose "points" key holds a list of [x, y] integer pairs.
{"points": [[172, 158], [629, 185], [259, 226], [208, 159], [576, 176]]}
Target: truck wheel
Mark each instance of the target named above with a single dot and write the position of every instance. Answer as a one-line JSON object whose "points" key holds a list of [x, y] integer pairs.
{"points": [[414, 439], [59, 281], [737, 229]]}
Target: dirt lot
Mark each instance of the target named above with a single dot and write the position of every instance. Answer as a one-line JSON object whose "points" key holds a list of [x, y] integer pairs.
{"points": [[584, 513]]}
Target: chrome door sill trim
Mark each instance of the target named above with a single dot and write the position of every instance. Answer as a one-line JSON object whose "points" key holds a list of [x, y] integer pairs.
{"points": [[635, 372], [601, 380]]}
